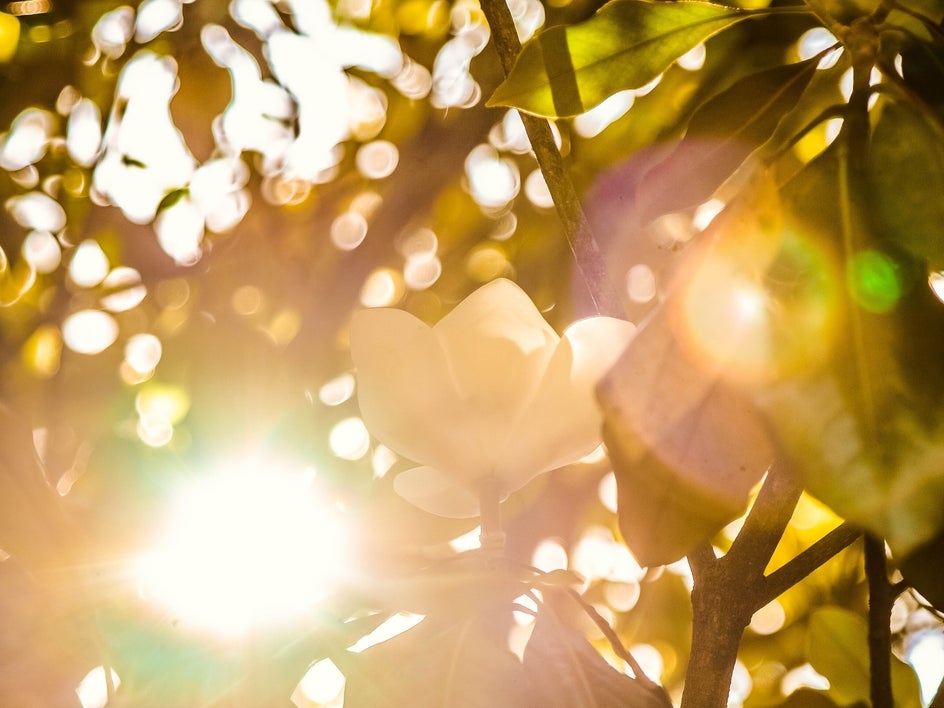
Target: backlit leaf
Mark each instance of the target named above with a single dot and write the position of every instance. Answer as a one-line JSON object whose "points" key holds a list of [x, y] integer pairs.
{"points": [[722, 133], [567, 70], [685, 445], [567, 672], [907, 200], [863, 424], [837, 647], [466, 664]]}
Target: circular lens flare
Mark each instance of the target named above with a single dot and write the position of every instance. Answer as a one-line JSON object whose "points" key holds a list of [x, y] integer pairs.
{"points": [[249, 545]]}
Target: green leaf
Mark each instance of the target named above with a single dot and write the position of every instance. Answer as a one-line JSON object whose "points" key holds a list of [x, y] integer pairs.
{"points": [[567, 672], [907, 200], [838, 648], [721, 135], [922, 68], [922, 571], [861, 418], [566, 70]]}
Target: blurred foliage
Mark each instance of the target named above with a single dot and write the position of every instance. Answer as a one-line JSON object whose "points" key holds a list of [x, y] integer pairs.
{"points": [[803, 322]]}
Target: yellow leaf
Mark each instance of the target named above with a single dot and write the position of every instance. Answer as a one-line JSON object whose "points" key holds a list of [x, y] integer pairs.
{"points": [[9, 36]]}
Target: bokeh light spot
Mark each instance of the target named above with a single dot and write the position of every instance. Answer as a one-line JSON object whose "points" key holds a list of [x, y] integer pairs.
{"points": [[486, 263], [377, 159], [349, 439], [741, 685], [322, 683], [536, 190], [41, 250], [607, 492], [936, 283], [803, 676], [35, 210], [124, 288], [89, 331], [874, 281], [421, 272], [768, 619], [649, 660], [93, 688], [143, 352], [622, 596], [337, 390], [600, 117], [382, 461], [89, 265], [641, 283], [925, 653], [382, 288], [694, 58], [43, 351], [419, 243], [247, 300], [549, 555], [397, 624], [493, 180], [348, 230]]}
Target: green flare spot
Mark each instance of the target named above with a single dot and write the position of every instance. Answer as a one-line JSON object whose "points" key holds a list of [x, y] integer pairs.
{"points": [[874, 281]]}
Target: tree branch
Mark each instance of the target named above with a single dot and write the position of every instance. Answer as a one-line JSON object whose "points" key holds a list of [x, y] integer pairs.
{"points": [[765, 524], [589, 263], [806, 562], [880, 635], [701, 560], [617, 645]]}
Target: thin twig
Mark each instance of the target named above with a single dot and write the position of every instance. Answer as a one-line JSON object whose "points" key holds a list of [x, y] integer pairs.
{"points": [[618, 647], [588, 259], [807, 561]]}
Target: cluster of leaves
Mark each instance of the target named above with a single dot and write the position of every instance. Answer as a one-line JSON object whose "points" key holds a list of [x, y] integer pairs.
{"points": [[858, 417]]}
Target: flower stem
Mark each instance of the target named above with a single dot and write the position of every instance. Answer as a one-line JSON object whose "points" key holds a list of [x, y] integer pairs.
{"points": [[492, 536]]}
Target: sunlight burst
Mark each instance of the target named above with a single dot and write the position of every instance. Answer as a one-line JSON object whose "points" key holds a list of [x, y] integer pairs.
{"points": [[246, 546]]}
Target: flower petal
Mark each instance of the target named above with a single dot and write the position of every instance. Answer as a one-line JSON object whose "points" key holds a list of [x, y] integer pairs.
{"points": [[498, 346], [436, 492], [406, 395], [563, 422]]}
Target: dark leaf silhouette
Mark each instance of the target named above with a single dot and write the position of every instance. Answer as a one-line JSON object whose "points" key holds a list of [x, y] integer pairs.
{"points": [[721, 135]]}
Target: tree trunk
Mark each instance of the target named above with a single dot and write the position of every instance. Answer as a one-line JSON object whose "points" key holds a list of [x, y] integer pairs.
{"points": [[718, 623]]}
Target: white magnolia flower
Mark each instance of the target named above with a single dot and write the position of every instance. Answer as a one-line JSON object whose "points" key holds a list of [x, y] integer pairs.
{"points": [[490, 392]]}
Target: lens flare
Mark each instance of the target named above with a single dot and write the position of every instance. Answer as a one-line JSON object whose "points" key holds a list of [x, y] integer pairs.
{"points": [[760, 326], [248, 545], [875, 281]]}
